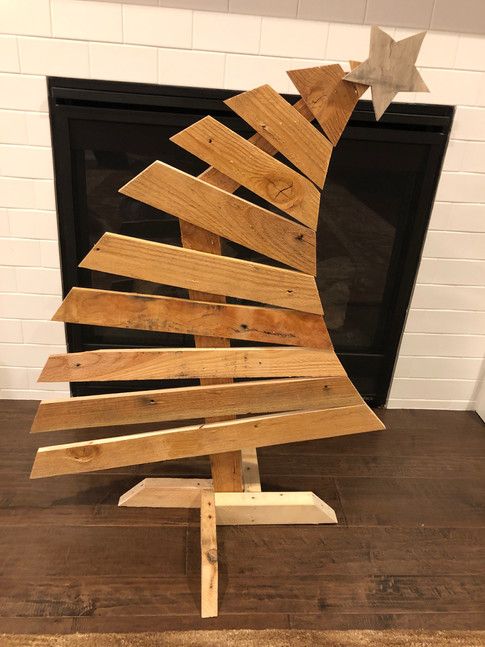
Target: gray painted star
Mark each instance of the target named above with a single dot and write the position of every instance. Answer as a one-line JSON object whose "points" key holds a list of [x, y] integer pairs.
{"points": [[390, 68]]}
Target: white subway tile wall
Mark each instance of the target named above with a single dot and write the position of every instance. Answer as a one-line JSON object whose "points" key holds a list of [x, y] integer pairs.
{"points": [[441, 354]]}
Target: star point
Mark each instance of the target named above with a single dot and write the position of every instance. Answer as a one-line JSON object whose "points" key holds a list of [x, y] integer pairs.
{"points": [[390, 68]]}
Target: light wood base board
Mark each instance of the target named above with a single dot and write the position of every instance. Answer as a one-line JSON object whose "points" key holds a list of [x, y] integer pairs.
{"points": [[232, 508]]}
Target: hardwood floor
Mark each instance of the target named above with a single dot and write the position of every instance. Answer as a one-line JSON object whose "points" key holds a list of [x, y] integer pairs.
{"points": [[409, 550]]}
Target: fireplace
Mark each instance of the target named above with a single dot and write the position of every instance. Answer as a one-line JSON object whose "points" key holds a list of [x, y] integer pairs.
{"points": [[373, 217]]}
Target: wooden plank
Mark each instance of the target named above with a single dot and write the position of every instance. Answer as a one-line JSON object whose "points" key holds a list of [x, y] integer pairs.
{"points": [[286, 129], [238, 158], [209, 569], [186, 363], [207, 401], [165, 187], [233, 508], [174, 492], [203, 272], [168, 314], [251, 476], [330, 98], [199, 440]]}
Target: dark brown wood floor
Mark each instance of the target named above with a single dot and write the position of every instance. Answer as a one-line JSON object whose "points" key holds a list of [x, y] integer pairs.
{"points": [[408, 551]]}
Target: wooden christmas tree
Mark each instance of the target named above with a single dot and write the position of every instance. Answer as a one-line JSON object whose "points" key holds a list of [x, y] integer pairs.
{"points": [[294, 388]]}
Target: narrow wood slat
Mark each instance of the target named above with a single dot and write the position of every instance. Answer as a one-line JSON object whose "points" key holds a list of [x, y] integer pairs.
{"points": [[330, 98], [207, 273], [206, 401], [251, 476], [165, 187], [209, 571], [286, 129], [172, 492], [199, 440], [176, 363], [238, 158], [168, 314]]}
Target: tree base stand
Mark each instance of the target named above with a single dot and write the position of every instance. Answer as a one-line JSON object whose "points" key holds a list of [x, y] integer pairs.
{"points": [[251, 507]]}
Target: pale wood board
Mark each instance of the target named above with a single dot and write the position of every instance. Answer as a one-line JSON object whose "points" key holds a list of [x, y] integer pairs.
{"points": [[330, 98], [175, 492], [209, 566], [286, 129], [200, 203], [265, 176], [206, 401], [203, 272], [186, 363], [235, 509], [184, 316], [199, 440]]}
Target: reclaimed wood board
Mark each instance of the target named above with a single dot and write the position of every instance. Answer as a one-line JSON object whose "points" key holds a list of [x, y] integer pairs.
{"points": [[206, 401], [330, 98], [203, 272], [286, 129], [209, 566], [189, 198], [187, 363], [265, 176], [184, 316], [199, 440]]}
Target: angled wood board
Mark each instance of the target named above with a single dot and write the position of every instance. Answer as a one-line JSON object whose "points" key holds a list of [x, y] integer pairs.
{"points": [[166, 188], [168, 314], [203, 272]]}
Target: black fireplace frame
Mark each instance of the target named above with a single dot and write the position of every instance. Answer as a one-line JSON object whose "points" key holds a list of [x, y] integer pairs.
{"points": [[66, 95]]}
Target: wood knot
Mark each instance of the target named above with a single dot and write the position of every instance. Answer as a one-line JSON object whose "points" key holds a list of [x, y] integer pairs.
{"points": [[212, 556], [83, 454]]}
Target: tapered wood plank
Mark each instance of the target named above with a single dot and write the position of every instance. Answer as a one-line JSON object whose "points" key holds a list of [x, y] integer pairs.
{"points": [[207, 401], [236, 157], [165, 187], [207, 273], [186, 363], [174, 492], [209, 566], [168, 314], [286, 129], [330, 98], [199, 440], [232, 509]]}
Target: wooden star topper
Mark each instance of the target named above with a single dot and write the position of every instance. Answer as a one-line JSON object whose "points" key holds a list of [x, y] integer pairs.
{"points": [[390, 68]]}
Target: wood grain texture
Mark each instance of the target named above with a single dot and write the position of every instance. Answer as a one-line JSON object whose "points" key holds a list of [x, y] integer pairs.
{"points": [[286, 129], [203, 272], [232, 508], [330, 98], [168, 314], [200, 203], [199, 440], [265, 176], [209, 565], [174, 363], [206, 401], [251, 475]]}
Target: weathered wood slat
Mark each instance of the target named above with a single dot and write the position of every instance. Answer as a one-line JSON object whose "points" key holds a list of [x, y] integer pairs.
{"points": [[330, 98], [168, 314], [207, 273], [173, 363], [286, 129], [200, 203], [207, 401], [199, 440], [238, 158], [209, 566]]}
